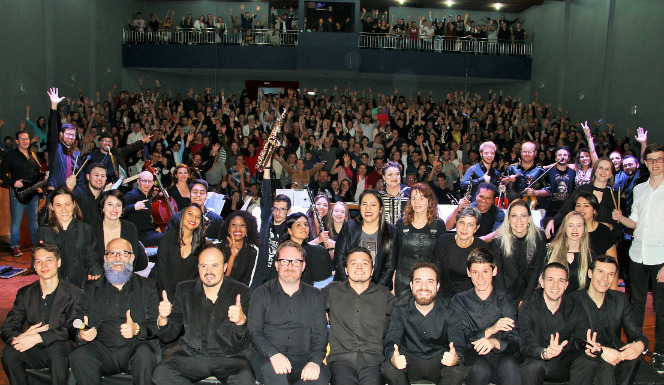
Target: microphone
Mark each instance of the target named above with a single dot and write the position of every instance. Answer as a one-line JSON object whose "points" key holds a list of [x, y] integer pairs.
{"points": [[78, 324], [108, 150]]}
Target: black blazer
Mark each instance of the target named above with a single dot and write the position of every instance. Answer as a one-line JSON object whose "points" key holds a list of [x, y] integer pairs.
{"points": [[143, 305], [620, 318], [187, 313], [127, 231], [349, 237], [28, 309]]}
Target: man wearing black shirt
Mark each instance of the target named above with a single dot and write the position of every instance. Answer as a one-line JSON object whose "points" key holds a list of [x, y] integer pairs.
{"points": [[211, 313], [47, 307], [112, 158], [603, 315], [560, 183], [523, 174], [120, 310], [273, 216], [87, 195], [287, 325], [545, 330], [424, 340], [18, 166], [491, 218], [358, 311], [443, 194], [138, 203], [488, 324], [483, 171], [198, 189]]}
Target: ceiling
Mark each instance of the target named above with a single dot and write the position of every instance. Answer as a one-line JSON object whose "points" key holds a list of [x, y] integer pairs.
{"points": [[508, 6]]}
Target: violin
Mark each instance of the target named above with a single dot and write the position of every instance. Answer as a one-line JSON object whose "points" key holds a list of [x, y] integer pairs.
{"points": [[501, 201], [530, 200]]}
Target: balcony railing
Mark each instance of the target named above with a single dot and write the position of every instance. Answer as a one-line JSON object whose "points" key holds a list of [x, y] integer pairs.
{"points": [[209, 36], [445, 44]]}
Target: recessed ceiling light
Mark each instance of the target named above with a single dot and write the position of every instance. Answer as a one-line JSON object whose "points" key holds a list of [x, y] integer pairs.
{"points": [[497, 6], [401, 1], [449, 3]]}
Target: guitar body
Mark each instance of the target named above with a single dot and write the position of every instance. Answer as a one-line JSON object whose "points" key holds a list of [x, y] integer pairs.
{"points": [[31, 188]]}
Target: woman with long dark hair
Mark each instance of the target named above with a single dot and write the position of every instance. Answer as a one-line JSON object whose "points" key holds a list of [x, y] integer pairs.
{"points": [[318, 270], [113, 226], [75, 239], [416, 236], [395, 195], [371, 231], [177, 259], [520, 251], [318, 237], [239, 243]]}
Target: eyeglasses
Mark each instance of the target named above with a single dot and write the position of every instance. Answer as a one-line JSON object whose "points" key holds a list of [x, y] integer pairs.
{"points": [[294, 262], [527, 152], [146, 181], [279, 210], [656, 160], [119, 253]]}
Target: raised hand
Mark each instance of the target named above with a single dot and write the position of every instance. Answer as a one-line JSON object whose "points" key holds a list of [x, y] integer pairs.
{"points": [[54, 97], [450, 357], [592, 347], [235, 312], [128, 329], [555, 348], [398, 360], [641, 135]]}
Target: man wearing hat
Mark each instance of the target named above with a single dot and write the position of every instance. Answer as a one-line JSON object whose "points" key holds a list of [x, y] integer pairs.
{"points": [[112, 158]]}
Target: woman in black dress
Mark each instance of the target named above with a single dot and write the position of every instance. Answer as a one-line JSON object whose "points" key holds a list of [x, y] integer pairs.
{"points": [[177, 258], [571, 248], [318, 270], [239, 242], [180, 188]]}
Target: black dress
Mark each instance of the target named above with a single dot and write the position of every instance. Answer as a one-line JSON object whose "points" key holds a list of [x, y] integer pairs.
{"points": [[451, 261], [244, 265], [601, 240], [171, 267], [181, 201]]}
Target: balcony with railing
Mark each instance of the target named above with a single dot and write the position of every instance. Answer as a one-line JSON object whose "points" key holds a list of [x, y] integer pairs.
{"points": [[270, 49]]}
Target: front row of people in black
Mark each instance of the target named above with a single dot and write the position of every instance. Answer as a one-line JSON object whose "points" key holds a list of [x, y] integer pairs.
{"points": [[278, 334]]}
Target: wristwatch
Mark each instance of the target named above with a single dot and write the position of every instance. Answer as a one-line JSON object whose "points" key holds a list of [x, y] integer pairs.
{"points": [[543, 354], [138, 330]]}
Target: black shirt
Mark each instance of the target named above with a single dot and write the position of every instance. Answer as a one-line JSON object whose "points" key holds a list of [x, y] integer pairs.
{"points": [[115, 314], [425, 336], [88, 204], [47, 304], [451, 261], [477, 315], [536, 325], [292, 325], [319, 263], [141, 218], [601, 239], [17, 166], [357, 322]]}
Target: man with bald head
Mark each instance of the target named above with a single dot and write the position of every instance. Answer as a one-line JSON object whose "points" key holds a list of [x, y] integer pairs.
{"points": [[138, 203], [211, 310], [521, 175], [119, 311]]}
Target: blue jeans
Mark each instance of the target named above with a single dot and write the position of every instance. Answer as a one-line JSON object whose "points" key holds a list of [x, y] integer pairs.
{"points": [[17, 209]]}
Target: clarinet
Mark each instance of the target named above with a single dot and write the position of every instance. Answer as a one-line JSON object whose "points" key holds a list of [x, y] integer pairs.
{"points": [[315, 212]]}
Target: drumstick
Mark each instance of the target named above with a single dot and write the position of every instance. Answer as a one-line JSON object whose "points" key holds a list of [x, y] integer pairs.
{"points": [[613, 198], [619, 187], [83, 165]]}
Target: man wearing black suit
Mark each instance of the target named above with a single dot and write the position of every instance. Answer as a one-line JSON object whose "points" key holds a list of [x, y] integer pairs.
{"points": [[47, 307], [120, 310], [198, 190], [211, 312], [602, 315]]}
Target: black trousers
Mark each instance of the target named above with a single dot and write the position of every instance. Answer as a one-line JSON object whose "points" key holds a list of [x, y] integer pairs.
{"points": [[93, 360], [640, 276], [497, 368], [588, 371], [555, 370], [347, 373], [55, 357], [423, 369], [266, 375], [185, 368]]}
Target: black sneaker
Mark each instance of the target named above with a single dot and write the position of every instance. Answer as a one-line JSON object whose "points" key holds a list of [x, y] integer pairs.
{"points": [[658, 362]]}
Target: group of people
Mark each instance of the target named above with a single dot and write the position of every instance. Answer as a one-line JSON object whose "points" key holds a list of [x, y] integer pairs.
{"points": [[413, 275]]}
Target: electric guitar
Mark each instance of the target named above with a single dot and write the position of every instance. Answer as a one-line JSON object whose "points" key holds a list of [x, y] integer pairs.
{"points": [[31, 188], [120, 181]]}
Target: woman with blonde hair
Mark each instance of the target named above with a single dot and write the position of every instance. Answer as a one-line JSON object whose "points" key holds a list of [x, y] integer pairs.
{"points": [[571, 248], [520, 250], [416, 236]]}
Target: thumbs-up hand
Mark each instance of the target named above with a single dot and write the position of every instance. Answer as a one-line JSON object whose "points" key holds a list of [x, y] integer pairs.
{"points": [[87, 335], [165, 306], [450, 358], [128, 330], [235, 312], [398, 360]]}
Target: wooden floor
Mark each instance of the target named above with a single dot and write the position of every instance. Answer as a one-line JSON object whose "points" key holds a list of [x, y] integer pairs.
{"points": [[8, 288]]}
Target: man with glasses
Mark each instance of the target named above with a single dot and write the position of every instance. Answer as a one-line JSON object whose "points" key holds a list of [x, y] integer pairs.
{"points": [[198, 190], [20, 166], [113, 158], [273, 216], [213, 344], [119, 313], [647, 250], [138, 203], [46, 306], [287, 325], [482, 171], [521, 175], [62, 159]]}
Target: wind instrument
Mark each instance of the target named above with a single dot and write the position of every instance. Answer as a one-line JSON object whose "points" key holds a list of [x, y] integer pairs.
{"points": [[272, 143]]}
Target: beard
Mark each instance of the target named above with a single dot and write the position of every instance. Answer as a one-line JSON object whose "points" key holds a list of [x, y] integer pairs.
{"points": [[118, 277], [424, 301]]}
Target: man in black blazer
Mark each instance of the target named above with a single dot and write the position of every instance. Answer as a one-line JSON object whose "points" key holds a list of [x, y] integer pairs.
{"points": [[602, 315], [87, 195], [211, 312], [120, 314], [47, 307]]}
